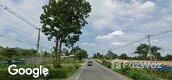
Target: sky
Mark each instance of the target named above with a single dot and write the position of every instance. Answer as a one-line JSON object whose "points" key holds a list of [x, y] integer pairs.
{"points": [[111, 24]]}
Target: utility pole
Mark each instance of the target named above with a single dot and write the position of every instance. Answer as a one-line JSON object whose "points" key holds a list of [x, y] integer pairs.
{"points": [[39, 30], [38, 44], [40, 52], [149, 50]]}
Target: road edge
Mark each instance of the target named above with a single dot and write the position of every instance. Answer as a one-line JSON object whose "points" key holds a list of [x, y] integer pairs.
{"points": [[113, 72], [77, 73], [81, 71]]}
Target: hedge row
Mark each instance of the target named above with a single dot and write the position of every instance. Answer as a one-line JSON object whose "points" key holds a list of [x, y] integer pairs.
{"points": [[105, 63], [136, 74]]}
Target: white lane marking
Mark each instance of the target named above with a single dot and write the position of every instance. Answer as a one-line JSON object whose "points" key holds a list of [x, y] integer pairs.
{"points": [[81, 71]]}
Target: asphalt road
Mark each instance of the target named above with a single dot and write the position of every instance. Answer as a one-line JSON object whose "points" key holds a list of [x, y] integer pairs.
{"points": [[98, 72]]}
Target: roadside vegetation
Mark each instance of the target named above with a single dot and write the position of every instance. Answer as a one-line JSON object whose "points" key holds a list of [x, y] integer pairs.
{"points": [[68, 68], [145, 74], [69, 64], [15, 53], [141, 52], [62, 22], [138, 73]]}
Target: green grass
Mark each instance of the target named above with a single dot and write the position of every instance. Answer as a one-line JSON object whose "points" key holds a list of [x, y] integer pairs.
{"points": [[140, 73], [69, 67], [144, 74]]}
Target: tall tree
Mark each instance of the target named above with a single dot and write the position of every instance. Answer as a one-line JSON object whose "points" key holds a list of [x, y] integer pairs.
{"points": [[111, 55], [123, 56], [64, 19], [65, 52], [142, 50], [168, 57], [98, 56], [81, 54], [9, 52]]}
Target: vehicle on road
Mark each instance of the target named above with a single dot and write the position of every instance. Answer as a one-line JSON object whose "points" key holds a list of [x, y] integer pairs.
{"points": [[90, 63]]}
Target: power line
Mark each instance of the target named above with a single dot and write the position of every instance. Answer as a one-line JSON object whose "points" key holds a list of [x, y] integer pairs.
{"points": [[20, 40], [17, 15], [10, 37], [15, 37], [23, 19], [161, 33], [131, 43], [166, 49]]}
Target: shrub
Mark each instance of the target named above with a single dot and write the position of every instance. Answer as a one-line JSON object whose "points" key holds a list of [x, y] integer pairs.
{"points": [[63, 72], [125, 70], [143, 77], [57, 73], [1, 57], [106, 63], [76, 66]]}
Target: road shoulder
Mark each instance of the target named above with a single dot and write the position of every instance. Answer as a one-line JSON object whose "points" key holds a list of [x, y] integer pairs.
{"points": [[113, 72], [77, 73]]}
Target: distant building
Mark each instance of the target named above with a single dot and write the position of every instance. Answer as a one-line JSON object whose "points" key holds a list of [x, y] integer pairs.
{"points": [[67, 57]]}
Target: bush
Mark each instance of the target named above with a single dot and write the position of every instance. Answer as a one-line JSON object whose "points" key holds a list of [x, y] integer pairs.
{"points": [[63, 72], [135, 74], [125, 70], [76, 66], [1, 57], [106, 63], [142, 77], [57, 73]]}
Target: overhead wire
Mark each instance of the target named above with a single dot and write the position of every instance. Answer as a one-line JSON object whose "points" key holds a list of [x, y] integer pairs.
{"points": [[131, 43], [154, 35], [161, 33], [13, 38], [17, 15]]}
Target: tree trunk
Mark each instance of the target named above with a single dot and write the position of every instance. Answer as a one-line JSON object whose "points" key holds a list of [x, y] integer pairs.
{"points": [[56, 52], [59, 54]]}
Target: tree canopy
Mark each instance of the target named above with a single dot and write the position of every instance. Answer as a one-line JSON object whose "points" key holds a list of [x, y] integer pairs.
{"points": [[111, 55], [64, 19], [142, 51], [15, 53], [79, 53]]}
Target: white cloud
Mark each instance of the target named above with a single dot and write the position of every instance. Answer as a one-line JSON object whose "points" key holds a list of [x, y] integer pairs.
{"points": [[155, 41], [138, 8], [87, 44], [105, 13], [102, 22], [15, 27], [134, 8], [148, 6], [137, 44], [118, 44], [110, 35], [106, 16]]}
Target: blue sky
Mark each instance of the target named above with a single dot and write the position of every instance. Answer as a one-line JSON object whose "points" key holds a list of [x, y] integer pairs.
{"points": [[112, 23]]}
